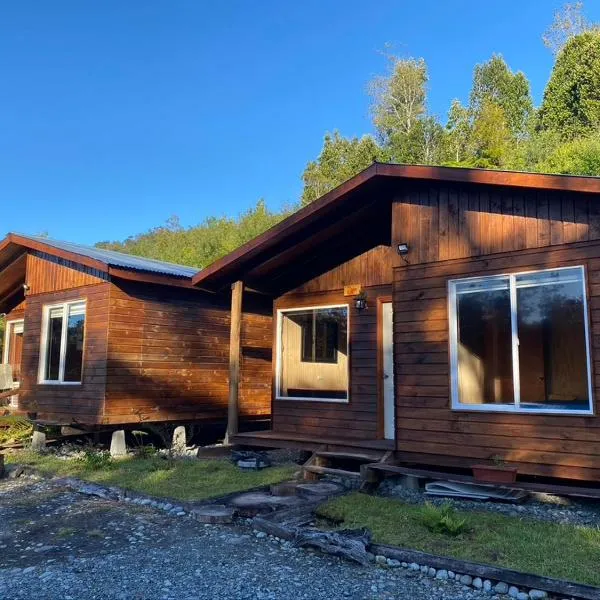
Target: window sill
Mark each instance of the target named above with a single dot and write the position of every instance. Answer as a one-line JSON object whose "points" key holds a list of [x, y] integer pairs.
{"points": [[69, 383], [522, 411], [307, 399]]}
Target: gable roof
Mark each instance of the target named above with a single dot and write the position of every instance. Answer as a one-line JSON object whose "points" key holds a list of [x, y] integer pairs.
{"points": [[113, 263], [275, 245]]}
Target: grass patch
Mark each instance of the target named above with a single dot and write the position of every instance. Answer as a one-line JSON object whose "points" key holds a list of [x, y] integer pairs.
{"points": [[548, 549], [14, 430], [186, 480]]}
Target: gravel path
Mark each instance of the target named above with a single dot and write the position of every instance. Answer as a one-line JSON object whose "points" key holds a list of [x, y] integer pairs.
{"points": [[57, 544]]}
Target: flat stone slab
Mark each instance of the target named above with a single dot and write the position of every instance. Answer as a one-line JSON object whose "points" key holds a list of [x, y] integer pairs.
{"points": [[253, 503], [213, 513], [318, 489], [285, 488]]}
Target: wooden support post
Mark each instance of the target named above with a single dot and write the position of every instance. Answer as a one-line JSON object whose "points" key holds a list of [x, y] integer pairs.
{"points": [[237, 291]]}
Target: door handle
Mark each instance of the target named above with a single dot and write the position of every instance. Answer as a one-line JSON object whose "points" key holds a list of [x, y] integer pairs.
{"points": [[386, 376]]}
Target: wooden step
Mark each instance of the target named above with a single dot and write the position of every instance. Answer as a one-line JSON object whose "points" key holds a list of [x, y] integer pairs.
{"points": [[346, 456], [331, 471]]}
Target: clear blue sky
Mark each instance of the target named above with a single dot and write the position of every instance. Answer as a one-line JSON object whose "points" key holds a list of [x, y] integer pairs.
{"points": [[115, 115]]}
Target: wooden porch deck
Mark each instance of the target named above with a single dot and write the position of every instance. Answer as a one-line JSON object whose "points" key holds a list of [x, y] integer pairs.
{"points": [[275, 439]]}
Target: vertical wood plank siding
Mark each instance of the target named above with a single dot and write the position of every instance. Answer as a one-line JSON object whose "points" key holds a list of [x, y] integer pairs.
{"points": [[481, 232], [47, 273], [357, 419], [168, 357], [451, 221]]}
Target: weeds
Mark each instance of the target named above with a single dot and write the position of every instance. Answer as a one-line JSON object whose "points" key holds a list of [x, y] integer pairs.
{"points": [[443, 519]]}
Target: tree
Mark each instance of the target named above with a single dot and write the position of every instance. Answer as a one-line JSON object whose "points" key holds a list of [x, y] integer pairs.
{"points": [[458, 132], [491, 136], [577, 157], [493, 81], [568, 22], [406, 131], [340, 159], [571, 103], [399, 98], [203, 244]]}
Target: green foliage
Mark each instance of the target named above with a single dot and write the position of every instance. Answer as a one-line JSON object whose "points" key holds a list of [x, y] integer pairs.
{"points": [[203, 244], [14, 429], [571, 104], [578, 157], [511, 542], [180, 479], [340, 159], [495, 84], [96, 460], [443, 519]]}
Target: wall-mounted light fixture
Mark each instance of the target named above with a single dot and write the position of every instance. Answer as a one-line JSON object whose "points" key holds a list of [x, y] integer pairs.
{"points": [[402, 249], [361, 301]]}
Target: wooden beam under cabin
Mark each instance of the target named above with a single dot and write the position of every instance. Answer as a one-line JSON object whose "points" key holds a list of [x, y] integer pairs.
{"points": [[237, 291]]}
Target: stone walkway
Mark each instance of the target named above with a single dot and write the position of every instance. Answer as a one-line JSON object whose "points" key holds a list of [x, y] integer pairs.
{"points": [[58, 544]]}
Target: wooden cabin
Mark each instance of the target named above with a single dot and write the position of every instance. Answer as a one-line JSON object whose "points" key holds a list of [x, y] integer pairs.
{"points": [[451, 316], [103, 338]]}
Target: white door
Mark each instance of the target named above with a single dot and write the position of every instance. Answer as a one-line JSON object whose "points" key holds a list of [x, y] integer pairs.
{"points": [[387, 340]]}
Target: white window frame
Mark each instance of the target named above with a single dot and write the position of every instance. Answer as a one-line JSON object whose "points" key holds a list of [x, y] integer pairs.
{"points": [[11, 326], [280, 313], [515, 407], [63, 343]]}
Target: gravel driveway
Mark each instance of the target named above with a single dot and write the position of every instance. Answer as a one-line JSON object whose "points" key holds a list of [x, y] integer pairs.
{"points": [[57, 544]]}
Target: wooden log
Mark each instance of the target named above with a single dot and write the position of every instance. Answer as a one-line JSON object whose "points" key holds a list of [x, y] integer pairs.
{"points": [[527, 580], [237, 290]]}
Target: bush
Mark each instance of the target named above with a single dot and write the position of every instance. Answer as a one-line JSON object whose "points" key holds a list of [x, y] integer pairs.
{"points": [[15, 429], [443, 519], [95, 460]]}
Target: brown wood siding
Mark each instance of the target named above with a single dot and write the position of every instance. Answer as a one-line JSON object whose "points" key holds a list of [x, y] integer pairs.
{"points": [[67, 403], [357, 419], [428, 431], [168, 357], [444, 222], [47, 273]]}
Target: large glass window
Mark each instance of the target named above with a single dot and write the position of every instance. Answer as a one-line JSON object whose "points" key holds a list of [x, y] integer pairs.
{"points": [[313, 353], [520, 342], [62, 343]]}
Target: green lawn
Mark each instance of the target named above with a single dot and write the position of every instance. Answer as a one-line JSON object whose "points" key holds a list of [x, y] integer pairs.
{"points": [[553, 550], [186, 480]]}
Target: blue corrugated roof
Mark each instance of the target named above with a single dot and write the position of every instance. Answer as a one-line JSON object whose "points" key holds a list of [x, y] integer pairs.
{"points": [[118, 259]]}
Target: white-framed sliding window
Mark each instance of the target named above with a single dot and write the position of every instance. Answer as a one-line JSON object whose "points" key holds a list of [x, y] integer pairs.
{"points": [[520, 343], [313, 353], [62, 343]]}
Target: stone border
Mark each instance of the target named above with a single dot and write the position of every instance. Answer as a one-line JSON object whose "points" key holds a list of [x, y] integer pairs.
{"points": [[495, 580]]}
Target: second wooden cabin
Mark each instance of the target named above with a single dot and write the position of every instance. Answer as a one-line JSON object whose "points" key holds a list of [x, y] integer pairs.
{"points": [[97, 338]]}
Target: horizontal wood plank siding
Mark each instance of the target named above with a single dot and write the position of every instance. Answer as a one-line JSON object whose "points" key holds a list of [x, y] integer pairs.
{"points": [[67, 403], [357, 419], [168, 356], [428, 431]]}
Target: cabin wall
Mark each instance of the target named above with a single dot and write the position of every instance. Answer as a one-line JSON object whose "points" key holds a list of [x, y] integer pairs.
{"points": [[168, 356], [445, 222], [66, 403], [428, 431], [359, 418]]}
